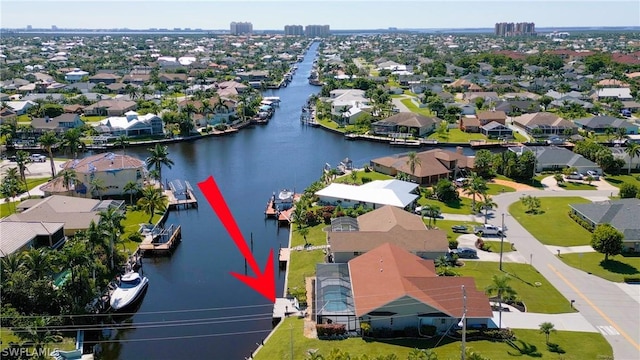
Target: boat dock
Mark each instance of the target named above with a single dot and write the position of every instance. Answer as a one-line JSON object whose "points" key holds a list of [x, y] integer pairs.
{"points": [[180, 194], [281, 207], [161, 242], [283, 257]]}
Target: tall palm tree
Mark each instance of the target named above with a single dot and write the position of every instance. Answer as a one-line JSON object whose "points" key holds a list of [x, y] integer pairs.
{"points": [[500, 287], [97, 186], [22, 158], [487, 203], [131, 187], [75, 257], [476, 185], [71, 141], [48, 140], [633, 150], [10, 264], [413, 160], [122, 140], [159, 155], [37, 262], [69, 177], [111, 225], [152, 199], [10, 186]]}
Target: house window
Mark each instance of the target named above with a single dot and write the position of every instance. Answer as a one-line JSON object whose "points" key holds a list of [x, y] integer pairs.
{"points": [[138, 174], [391, 321], [356, 253], [443, 321]]}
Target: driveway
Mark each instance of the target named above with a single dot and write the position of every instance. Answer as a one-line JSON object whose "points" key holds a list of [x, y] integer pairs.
{"points": [[398, 103], [550, 184], [469, 240], [526, 320], [612, 309]]}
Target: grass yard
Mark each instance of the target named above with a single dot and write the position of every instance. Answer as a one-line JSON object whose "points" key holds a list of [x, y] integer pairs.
{"points": [[346, 179], [93, 119], [559, 229], [24, 118], [302, 264], [577, 345], [497, 189], [617, 180], [415, 109], [494, 246], [535, 182], [34, 182], [457, 136], [7, 337], [328, 123], [461, 206], [615, 269], [577, 185], [315, 237], [539, 299], [132, 223]]}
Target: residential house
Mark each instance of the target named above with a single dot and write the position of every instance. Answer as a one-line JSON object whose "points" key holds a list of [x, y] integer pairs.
{"points": [[619, 93], [407, 123], [373, 194], [600, 124], [117, 88], [136, 79], [390, 288], [469, 124], [7, 116], [611, 83], [622, 214], [20, 107], [495, 130], [344, 99], [115, 170], [58, 124], [110, 107], [434, 165], [351, 237], [620, 153], [105, 78], [485, 117], [545, 123], [465, 109], [132, 125], [22, 235], [631, 106], [488, 96], [173, 78], [554, 158], [231, 88], [255, 77], [75, 213], [75, 75]]}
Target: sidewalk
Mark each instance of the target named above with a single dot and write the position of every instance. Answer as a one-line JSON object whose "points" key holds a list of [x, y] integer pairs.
{"points": [[561, 322]]}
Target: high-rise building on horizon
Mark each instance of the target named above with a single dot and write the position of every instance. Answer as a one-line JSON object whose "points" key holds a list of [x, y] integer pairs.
{"points": [[316, 30], [241, 28], [294, 30], [517, 29]]}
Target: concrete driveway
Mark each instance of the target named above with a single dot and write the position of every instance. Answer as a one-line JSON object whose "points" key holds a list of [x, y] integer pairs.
{"points": [[398, 103], [469, 240], [550, 184]]}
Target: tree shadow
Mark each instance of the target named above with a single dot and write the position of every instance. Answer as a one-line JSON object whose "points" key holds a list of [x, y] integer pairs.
{"points": [[615, 181], [618, 267], [524, 349], [555, 348]]}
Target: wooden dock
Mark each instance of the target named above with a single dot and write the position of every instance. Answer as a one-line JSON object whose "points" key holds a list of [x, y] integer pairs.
{"points": [[283, 257], [161, 244], [183, 190]]}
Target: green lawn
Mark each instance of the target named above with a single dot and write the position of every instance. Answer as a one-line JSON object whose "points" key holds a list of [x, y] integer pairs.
{"points": [[328, 123], [617, 180], [7, 337], [494, 246], [346, 179], [615, 269], [576, 185], [315, 237], [92, 119], [577, 345], [559, 229], [461, 206], [24, 118], [535, 182], [457, 136], [415, 109], [302, 264], [34, 182], [539, 299], [496, 189], [445, 225], [132, 223]]}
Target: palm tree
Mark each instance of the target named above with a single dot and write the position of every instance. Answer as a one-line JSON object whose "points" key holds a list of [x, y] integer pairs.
{"points": [[75, 257], [97, 185], [501, 288], [48, 140], [547, 328], [633, 150], [476, 185], [159, 156], [37, 262], [131, 187], [111, 225], [152, 199], [37, 334], [304, 232], [11, 264], [69, 177], [354, 176], [122, 140], [22, 158], [413, 160], [10, 186], [487, 203], [71, 141]]}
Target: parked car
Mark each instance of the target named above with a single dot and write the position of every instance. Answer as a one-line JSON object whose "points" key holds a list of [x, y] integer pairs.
{"points": [[37, 158], [459, 228], [594, 175], [465, 253], [487, 229], [459, 182], [575, 176]]}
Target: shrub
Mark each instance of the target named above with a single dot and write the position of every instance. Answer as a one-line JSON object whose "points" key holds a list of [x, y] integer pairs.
{"points": [[500, 334], [585, 224], [325, 330], [220, 127], [428, 330], [365, 179], [632, 279], [135, 237], [327, 217], [365, 327], [453, 244], [628, 191]]}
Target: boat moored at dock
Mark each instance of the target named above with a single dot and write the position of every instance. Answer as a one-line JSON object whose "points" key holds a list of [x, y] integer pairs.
{"points": [[129, 290]]}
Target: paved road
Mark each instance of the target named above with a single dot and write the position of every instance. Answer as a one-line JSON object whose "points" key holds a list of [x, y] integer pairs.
{"points": [[613, 309]]}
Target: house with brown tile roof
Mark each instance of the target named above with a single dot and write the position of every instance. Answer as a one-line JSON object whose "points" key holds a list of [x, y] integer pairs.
{"points": [[434, 165], [486, 117], [406, 122], [388, 287], [548, 123], [110, 107], [469, 124], [386, 224], [116, 170], [105, 78]]}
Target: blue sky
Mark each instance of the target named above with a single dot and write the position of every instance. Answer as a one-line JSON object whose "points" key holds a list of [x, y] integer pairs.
{"points": [[343, 14]]}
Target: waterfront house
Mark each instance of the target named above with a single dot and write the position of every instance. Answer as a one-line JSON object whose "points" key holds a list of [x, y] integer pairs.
{"points": [[132, 125], [622, 214], [110, 107], [343, 100], [391, 289], [600, 124], [22, 235], [544, 123], [554, 158], [469, 124], [495, 130], [373, 194], [434, 165], [351, 237], [486, 117], [59, 124], [407, 123], [115, 170]]}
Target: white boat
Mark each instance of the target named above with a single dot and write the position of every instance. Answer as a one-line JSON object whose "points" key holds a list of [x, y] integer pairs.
{"points": [[128, 291]]}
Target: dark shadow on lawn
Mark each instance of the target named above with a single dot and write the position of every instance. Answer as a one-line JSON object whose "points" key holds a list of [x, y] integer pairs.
{"points": [[615, 181], [524, 349], [455, 204], [618, 267], [415, 343]]}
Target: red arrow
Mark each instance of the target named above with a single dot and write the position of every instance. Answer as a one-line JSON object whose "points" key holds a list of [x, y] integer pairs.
{"points": [[264, 283]]}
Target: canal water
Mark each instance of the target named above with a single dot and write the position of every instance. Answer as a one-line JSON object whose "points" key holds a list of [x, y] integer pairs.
{"points": [[194, 308]]}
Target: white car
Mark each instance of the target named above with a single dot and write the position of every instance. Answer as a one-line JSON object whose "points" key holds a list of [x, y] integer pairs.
{"points": [[37, 158]]}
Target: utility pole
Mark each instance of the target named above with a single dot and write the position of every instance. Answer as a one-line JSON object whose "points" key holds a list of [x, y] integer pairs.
{"points": [[463, 354], [501, 241]]}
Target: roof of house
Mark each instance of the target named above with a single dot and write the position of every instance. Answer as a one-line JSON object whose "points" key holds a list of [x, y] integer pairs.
{"points": [[622, 214], [16, 234], [410, 119], [108, 162], [471, 121], [383, 192], [542, 119], [619, 92], [554, 155], [491, 115], [389, 273], [74, 212], [612, 82], [112, 104], [495, 125], [602, 122], [431, 162], [128, 121], [53, 123]]}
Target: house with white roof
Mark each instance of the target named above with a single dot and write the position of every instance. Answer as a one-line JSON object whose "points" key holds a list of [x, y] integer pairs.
{"points": [[373, 194], [20, 107], [131, 124], [343, 101], [619, 93], [75, 75]]}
